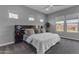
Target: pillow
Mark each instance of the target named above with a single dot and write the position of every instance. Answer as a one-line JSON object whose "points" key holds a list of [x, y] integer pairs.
{"points": [[42, 30], [29, 31]]}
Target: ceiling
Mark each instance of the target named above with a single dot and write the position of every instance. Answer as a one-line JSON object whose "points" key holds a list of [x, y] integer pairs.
{"points": [[55, 8]]}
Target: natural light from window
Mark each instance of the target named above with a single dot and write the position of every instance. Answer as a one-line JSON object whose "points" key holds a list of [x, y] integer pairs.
{"points": [[60, 26], [31, 19], [72, 25], [14, 16]]}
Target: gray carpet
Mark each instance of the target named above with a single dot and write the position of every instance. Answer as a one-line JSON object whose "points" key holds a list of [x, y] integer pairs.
{"points": [[64, 47]]}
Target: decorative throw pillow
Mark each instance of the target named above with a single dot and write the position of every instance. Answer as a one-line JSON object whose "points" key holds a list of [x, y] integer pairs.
{"points": [[29, 31]]}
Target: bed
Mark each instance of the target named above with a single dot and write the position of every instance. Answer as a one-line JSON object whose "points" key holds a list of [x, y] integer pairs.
{"points": [[43, 41]]}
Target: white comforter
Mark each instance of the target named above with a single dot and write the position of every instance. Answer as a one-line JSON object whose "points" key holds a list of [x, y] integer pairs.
{"points": [[43, 41]]}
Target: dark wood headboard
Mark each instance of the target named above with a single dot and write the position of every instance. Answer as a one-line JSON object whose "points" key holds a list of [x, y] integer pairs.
{"points": [[25, 26], [20, 32]]}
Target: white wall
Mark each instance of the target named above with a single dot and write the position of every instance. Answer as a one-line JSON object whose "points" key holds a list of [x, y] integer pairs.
{"points": [[7, 24], [68, 11]]}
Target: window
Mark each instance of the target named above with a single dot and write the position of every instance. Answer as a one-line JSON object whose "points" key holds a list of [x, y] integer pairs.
{"points": [[72, 25], [31, 19], [60, 26], [41, 20], [12, 15]]}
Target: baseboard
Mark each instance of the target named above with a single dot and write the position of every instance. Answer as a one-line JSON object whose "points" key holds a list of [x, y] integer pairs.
{"points": [[69, 38], [4, 44]]}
